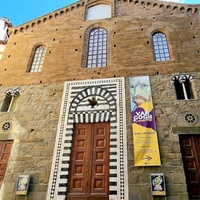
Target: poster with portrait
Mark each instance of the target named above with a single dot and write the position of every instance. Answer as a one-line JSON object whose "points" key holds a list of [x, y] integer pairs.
{"points": [[157, 184], [146, 149], [22, 184]]}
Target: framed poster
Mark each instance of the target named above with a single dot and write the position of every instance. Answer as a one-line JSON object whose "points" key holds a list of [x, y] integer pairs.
{"points": [[22, 184], [158, 184]]}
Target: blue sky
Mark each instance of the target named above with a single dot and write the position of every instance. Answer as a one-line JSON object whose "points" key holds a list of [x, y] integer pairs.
{"points": [[21, 11]]}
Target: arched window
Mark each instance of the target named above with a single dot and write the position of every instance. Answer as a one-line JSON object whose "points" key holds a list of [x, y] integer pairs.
{"points": [[38, 58], [184, 86], [11, 97], [97, 48], [161, 49]]}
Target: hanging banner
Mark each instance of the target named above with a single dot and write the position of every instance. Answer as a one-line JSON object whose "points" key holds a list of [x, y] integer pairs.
{"points": [[146, 150]]}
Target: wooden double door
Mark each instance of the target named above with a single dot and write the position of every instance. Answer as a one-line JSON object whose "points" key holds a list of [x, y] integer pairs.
{"points": [[190, 149], [89, 164]]}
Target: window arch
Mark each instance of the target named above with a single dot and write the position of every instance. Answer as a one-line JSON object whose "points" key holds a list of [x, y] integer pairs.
{"points": [[10, 100], [38, 58], [184, 86], [100, 11], [97, 48], [161, 49]]}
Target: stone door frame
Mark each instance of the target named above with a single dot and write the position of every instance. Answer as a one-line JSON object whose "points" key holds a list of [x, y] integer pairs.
{"points": [[75, 108]]}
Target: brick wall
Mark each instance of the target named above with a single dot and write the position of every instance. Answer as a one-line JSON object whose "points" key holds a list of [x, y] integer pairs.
{"points": [[130, 53]]}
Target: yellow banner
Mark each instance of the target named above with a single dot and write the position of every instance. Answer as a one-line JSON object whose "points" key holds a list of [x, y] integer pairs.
{"points": [[146, 150]]}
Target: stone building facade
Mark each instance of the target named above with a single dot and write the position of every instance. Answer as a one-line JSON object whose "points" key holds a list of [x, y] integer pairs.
{"points": [[49, 89]]}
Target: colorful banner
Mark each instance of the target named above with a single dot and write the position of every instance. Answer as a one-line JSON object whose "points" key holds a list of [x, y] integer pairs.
{"points": [[146, 150]]}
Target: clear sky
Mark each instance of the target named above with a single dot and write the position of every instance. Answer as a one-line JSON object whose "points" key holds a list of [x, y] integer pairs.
{"points": [[21, 11]]}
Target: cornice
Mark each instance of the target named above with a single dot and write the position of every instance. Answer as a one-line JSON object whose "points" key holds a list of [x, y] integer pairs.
{"points": [[167, 6]]}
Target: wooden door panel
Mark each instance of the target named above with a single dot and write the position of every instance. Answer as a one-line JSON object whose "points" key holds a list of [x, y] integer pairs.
{"points": [[100, 155], [100, 167], [195, 192], [8, 145], [79, 158], [5, 150], [3, 167], [190, 149], [89, 165], [4, 157], [1, 179]]}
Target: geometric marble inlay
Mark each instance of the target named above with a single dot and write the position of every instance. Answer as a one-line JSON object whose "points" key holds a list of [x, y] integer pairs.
{"points": [[111, 108]]}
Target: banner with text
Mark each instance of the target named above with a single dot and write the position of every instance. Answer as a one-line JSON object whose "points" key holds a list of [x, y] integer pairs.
{"points": [[146, 150]]}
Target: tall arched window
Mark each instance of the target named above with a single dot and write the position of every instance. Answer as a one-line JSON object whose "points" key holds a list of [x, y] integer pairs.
{"points": [[38, 58], [97, 48], [161, 49]]}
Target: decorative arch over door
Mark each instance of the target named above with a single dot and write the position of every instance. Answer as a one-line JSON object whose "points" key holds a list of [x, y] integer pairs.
{"points": [[92, 101], [81, 110]]}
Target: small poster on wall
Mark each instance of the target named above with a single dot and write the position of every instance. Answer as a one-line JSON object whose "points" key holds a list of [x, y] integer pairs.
{"points": [[158, 184], [22, 184]]}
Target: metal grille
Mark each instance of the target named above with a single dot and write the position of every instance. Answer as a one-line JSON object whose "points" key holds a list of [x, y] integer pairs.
{"points": [[161, 49], [97, 48], [191, 118], [38, 59], [6, 126]]}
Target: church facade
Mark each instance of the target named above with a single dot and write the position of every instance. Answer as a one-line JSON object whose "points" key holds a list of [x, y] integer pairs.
{"points": [[76, 86]]}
